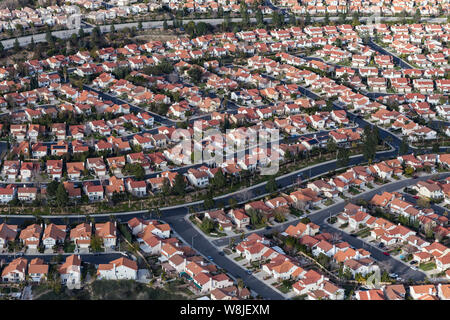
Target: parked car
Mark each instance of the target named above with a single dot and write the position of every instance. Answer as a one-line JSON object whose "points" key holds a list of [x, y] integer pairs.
{"points": [[221, 253], [413, 262], [249, 227], [268, 228], [415, 197], [353, 235], [386, 253], [380, 245], [393, 275], [249, 271]]}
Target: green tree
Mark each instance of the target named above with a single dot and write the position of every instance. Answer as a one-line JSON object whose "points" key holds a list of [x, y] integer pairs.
{"points": [[409, 170], [277, 19], [207, 225], [201, 28], [404, 147], [52, 187], [219, 180], [179, 187], [96, 243], [331, 145], [343, 157], [271, 185], [16, 45], [423, 202], [428, 230], [190, 28], [327, 18], [135, 170], [370, 142], [259, 18], [220, 12], [195, 74], [166, 187], [307, 19], [49, 37], [342, 18], [417, 16], [81, 33], [435, 148], [355, 18], [209, 202], [245, 19], [226, 25], [61, 195]]}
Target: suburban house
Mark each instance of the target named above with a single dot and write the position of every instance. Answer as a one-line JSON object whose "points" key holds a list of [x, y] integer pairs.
{"points": [[118, 269], [107, 232]]}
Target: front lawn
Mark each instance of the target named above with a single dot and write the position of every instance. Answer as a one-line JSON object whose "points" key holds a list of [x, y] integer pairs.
{"points": [[427, 266], [363, 233], [285, 286]]}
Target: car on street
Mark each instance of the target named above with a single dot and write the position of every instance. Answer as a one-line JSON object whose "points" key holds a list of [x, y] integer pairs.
{"points": [[221, 253], [414, 268], [210, 258], [415, 197], [386, 253], [249, 271], [268, 228], [413, 262], [353, 235], [249, 227], [393, 275]]}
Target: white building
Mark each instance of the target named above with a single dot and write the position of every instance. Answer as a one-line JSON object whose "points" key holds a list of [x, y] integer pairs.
{"points": [[118, 269]]}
